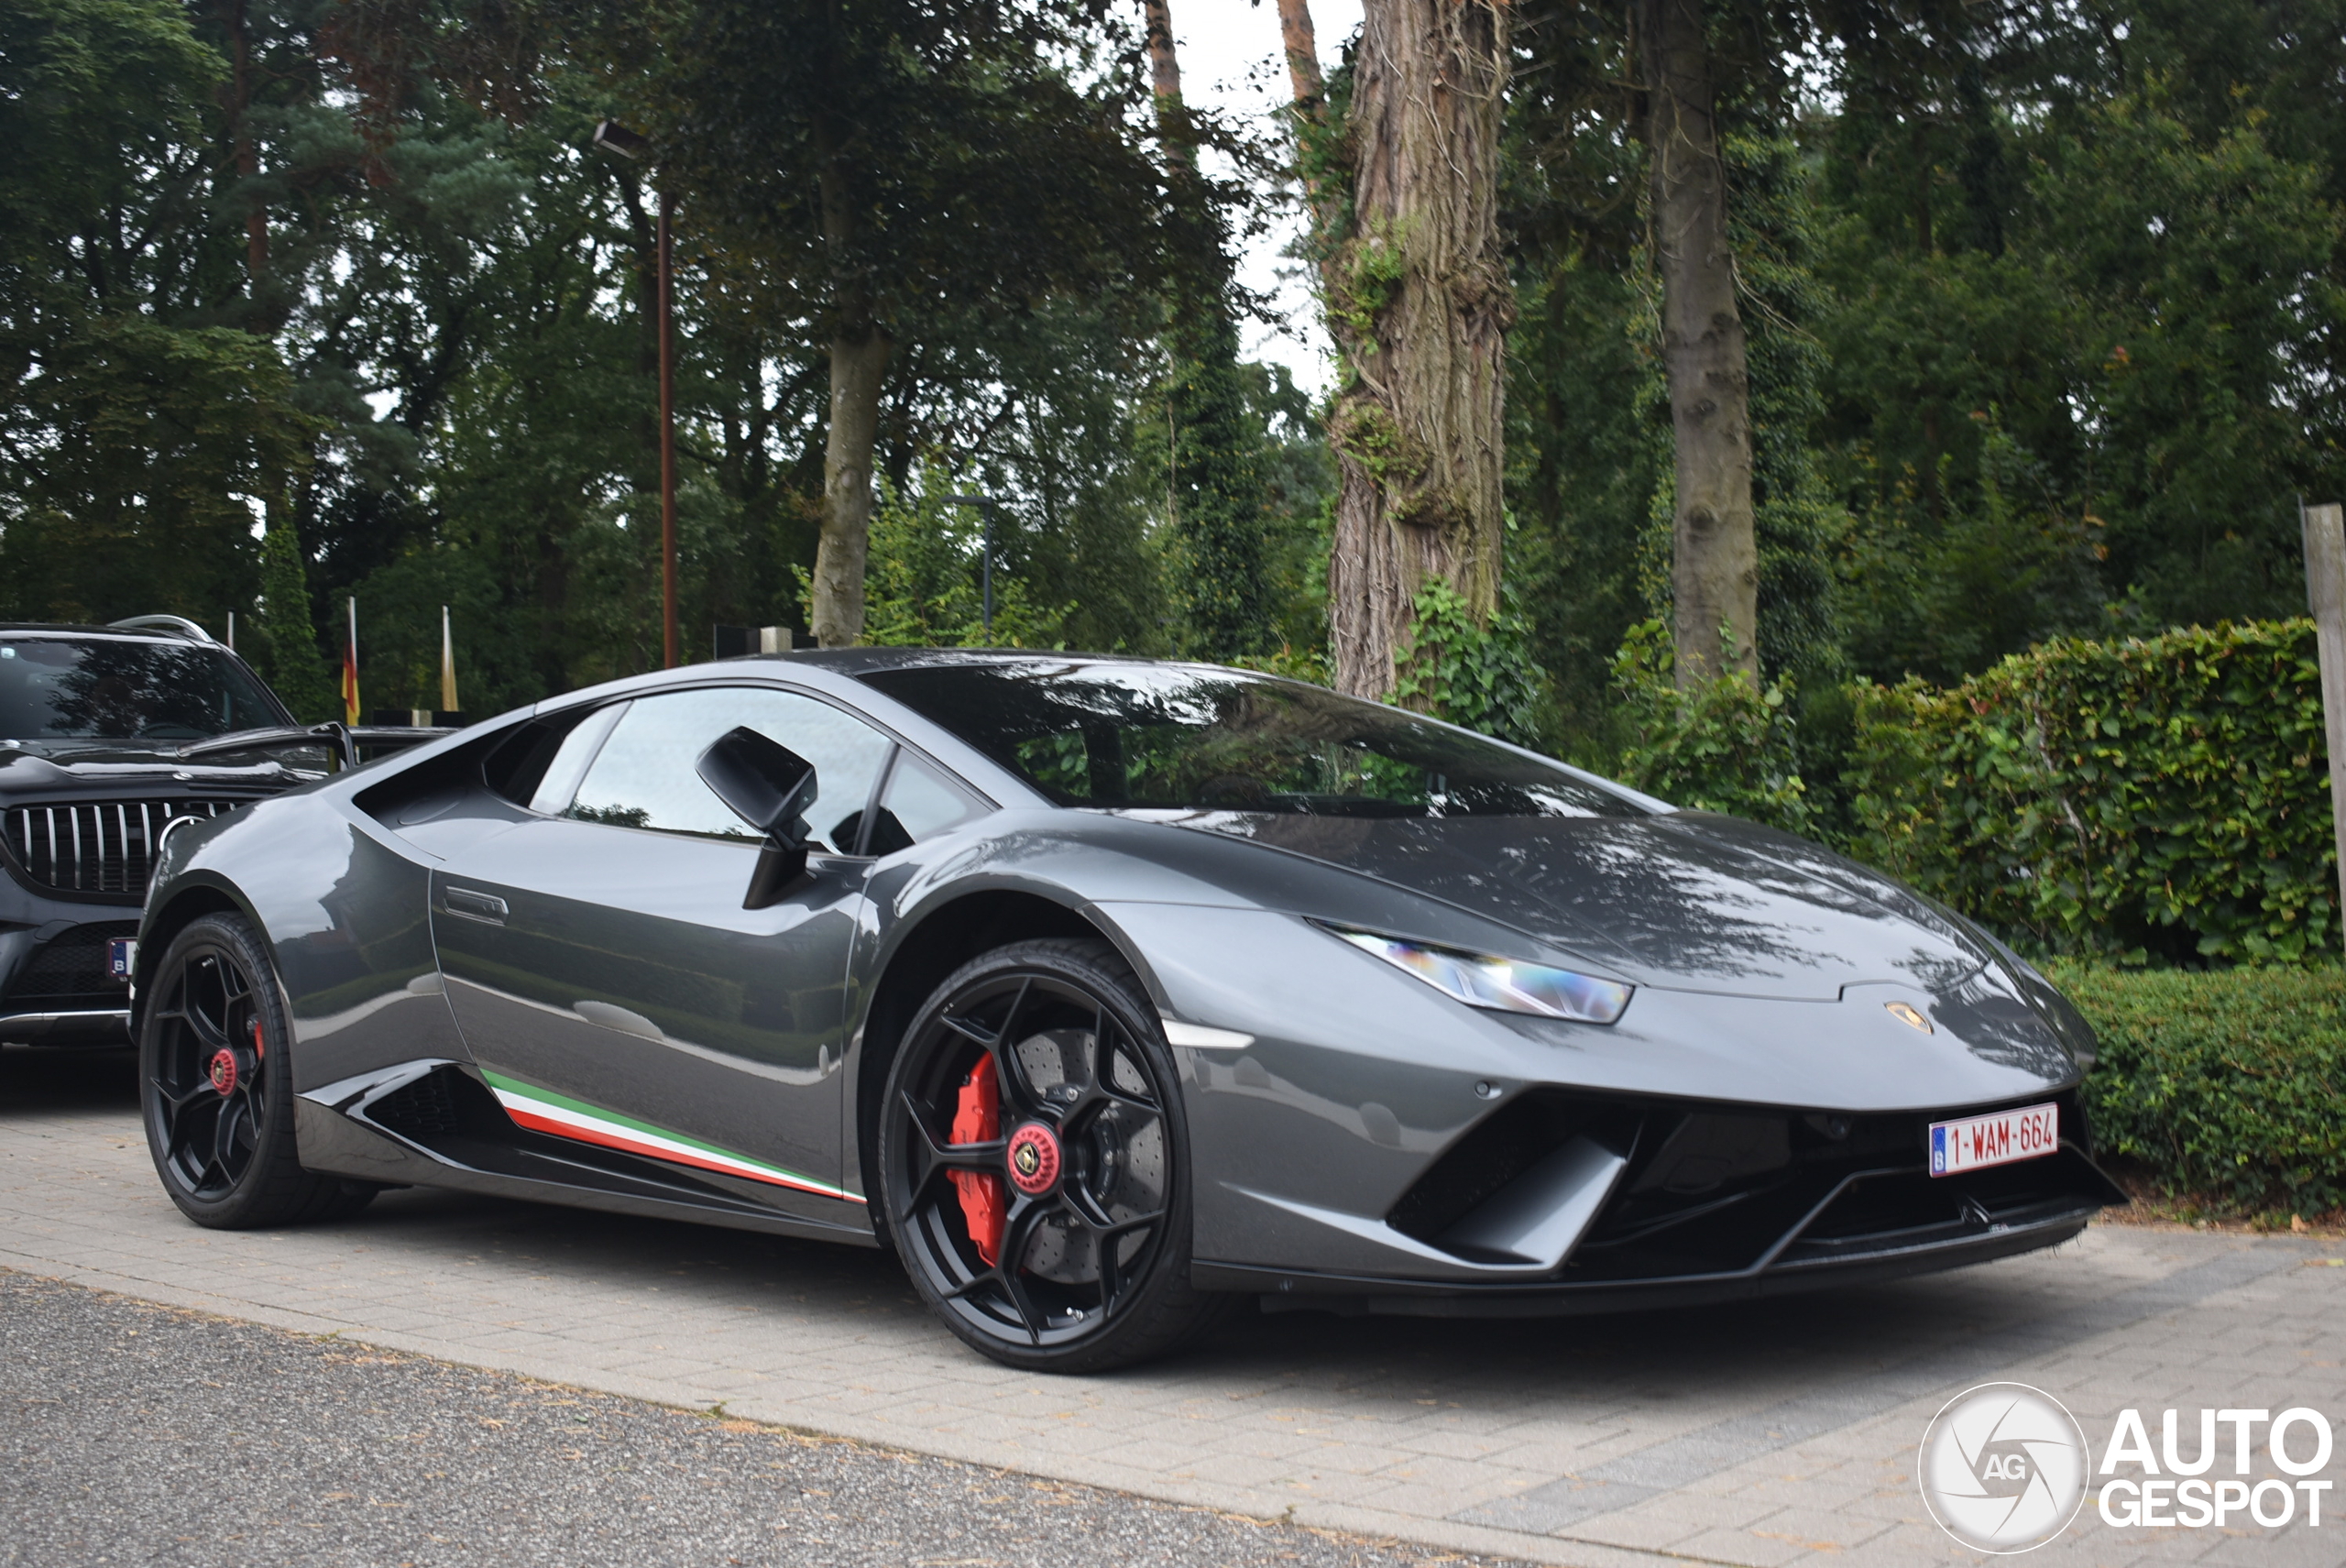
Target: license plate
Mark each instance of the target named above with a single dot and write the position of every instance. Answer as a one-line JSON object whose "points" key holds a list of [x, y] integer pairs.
{"points": [[1999, 1138], [122, 953]]}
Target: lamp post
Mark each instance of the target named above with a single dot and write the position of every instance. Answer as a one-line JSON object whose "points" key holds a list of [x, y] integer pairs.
{"points": [[613, 137], [985, 505]]}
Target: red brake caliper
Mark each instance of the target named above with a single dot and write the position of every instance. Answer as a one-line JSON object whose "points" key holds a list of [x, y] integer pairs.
{"points": [[977, 1119]]}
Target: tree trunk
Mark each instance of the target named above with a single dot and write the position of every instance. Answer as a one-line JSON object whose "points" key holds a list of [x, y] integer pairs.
{"points": [[859, 370], [1715, 573], [1302, 52], [859, 365], [1420, 307], [1164, 67]]}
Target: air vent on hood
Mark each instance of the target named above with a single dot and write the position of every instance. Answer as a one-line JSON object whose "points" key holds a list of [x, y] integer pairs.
{"points": [[101, 847]]}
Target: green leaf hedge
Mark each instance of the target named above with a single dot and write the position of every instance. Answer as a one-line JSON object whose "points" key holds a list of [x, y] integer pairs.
{"points": [[2163, 799], [2226, 1085]]}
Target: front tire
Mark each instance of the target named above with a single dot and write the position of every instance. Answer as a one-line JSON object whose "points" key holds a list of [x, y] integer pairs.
{"points": [[216, 1087], [1033, 1163]]}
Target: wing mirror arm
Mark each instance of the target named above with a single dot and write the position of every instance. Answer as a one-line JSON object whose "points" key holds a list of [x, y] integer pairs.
{"points": [[769, 786]]}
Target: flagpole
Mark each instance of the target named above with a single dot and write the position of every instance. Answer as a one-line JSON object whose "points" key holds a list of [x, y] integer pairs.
{"points": [[448, 703]]}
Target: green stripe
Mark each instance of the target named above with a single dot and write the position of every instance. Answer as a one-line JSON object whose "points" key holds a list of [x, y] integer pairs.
{"points": [[531, 1089]]}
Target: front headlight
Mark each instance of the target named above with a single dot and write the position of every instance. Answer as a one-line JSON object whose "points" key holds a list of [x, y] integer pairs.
{"points": [[1504, 985]]}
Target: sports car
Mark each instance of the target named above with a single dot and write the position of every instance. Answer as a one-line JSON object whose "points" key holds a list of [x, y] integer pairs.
{"points": [[1107, 993]]}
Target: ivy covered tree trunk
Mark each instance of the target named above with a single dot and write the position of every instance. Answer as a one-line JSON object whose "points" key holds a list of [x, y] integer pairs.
{"points": [[1420, 306], [1214, 489], [1714, 560]]}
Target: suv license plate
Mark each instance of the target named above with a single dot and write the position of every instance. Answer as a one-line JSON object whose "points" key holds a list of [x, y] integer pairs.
{"points": [[1975, 1142], [122, 953]]}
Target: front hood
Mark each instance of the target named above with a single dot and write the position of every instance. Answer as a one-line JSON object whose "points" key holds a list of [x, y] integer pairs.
{"points": [[69, 768], [1688, 900]]}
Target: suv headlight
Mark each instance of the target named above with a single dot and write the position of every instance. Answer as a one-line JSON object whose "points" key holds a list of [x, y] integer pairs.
{"points": [[1503, 985]]}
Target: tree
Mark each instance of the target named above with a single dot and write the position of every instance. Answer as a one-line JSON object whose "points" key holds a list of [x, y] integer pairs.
{"points": [[885, 163], [1715, 560], [1419, 305]]}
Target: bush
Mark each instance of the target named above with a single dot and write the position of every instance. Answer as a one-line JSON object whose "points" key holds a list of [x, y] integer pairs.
{"points": [[2163, 798], [1722, 744], [2227, 1084]]}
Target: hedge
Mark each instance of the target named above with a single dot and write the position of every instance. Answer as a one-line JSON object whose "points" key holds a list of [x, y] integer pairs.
{"points": [[2226, 1085], [2162, 799]]}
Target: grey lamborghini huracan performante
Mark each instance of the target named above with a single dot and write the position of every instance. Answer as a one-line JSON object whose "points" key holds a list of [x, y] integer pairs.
{"points": [[1107, 993]]}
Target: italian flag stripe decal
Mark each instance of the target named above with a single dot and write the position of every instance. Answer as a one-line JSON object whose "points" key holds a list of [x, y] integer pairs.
{"points": [[544, 1110]]}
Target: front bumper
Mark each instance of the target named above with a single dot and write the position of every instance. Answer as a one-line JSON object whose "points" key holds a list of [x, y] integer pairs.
{"points": [[1568, 1203], [1884, 1223], [55, 985]]}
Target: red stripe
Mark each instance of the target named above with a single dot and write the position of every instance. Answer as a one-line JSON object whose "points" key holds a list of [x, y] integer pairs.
{"points": [[611, 1140]]}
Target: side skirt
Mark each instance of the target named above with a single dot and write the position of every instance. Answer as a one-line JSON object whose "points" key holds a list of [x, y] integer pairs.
{"points": [[487, 1153]]}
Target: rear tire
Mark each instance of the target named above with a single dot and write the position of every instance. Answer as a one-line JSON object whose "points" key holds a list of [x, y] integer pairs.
{"points": [[1090, 1265], [216, 1087]]}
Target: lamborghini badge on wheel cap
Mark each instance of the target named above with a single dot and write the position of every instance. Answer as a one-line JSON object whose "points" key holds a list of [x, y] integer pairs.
{"points": [[1034, 1159]]}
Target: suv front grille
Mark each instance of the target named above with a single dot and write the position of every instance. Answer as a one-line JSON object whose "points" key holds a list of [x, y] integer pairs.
{"points": [[97, 846]]}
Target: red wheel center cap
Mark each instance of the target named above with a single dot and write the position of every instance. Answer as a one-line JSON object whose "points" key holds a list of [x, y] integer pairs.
{"points": [[222, 1073], [1034, 1159]]}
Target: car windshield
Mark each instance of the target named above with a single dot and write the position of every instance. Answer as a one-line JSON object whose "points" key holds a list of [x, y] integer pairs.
{"points": [[1183, 736], [122, 689]]}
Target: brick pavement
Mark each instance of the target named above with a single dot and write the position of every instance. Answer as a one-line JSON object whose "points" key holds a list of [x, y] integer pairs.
{"points": [[1772, 1433]]}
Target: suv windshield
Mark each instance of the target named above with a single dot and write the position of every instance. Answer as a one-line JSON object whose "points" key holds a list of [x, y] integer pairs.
{"points": [[123, 689], [1183, 736]]}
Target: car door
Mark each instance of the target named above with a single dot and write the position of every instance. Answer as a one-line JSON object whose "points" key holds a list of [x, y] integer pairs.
{"points": [[606, 977]]}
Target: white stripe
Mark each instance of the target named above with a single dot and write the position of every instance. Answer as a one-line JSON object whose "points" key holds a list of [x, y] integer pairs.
{"points": [[570, 1118]]}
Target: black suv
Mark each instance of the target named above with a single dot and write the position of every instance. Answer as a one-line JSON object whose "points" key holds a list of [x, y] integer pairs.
{"points": [[108, 736]]}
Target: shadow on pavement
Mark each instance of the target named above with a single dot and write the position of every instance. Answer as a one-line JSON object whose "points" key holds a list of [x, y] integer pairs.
{"points": [[36, 1080]]}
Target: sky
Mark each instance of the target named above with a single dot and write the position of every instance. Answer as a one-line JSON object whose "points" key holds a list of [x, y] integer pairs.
{"points": [[1231, 62]]}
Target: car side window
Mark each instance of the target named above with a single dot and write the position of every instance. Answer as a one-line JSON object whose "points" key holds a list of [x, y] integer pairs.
{"points": [[643, 774], [919, 803]]}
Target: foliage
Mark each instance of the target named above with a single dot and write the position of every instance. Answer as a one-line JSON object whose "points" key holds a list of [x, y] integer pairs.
{"points": [[2156, 798], [924, 587], [1722, 744], [287, 653], [1456, 668], [142, 455], [2225, 1084]]}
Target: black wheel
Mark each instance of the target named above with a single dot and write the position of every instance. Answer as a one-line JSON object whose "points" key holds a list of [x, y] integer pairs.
{"points": [[216, 1086], [1033, 1161]]}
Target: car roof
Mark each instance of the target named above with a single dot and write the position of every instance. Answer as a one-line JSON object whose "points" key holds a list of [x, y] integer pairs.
{"points": [[869, 660], [70, 629]]}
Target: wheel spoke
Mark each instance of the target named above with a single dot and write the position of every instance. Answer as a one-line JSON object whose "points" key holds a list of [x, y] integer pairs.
{"points": [[211, 1034], [223, 1136], [969, 1029], [1026, 1219], [987, 1156], [176, 1100]]}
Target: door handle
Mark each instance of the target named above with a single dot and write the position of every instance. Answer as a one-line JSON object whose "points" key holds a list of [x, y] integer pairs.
{"points": [[483, 907]]}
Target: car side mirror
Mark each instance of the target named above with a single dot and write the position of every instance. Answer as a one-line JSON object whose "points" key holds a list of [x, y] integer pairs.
{"points": [[769, 786]]}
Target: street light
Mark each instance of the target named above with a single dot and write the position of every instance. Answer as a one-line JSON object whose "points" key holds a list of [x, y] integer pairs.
{"points": [[985, 505], [615, 138]]}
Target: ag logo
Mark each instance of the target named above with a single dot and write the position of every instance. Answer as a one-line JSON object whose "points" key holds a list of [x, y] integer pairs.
{"points": [[1034, 1159], [2003, 1467]]}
